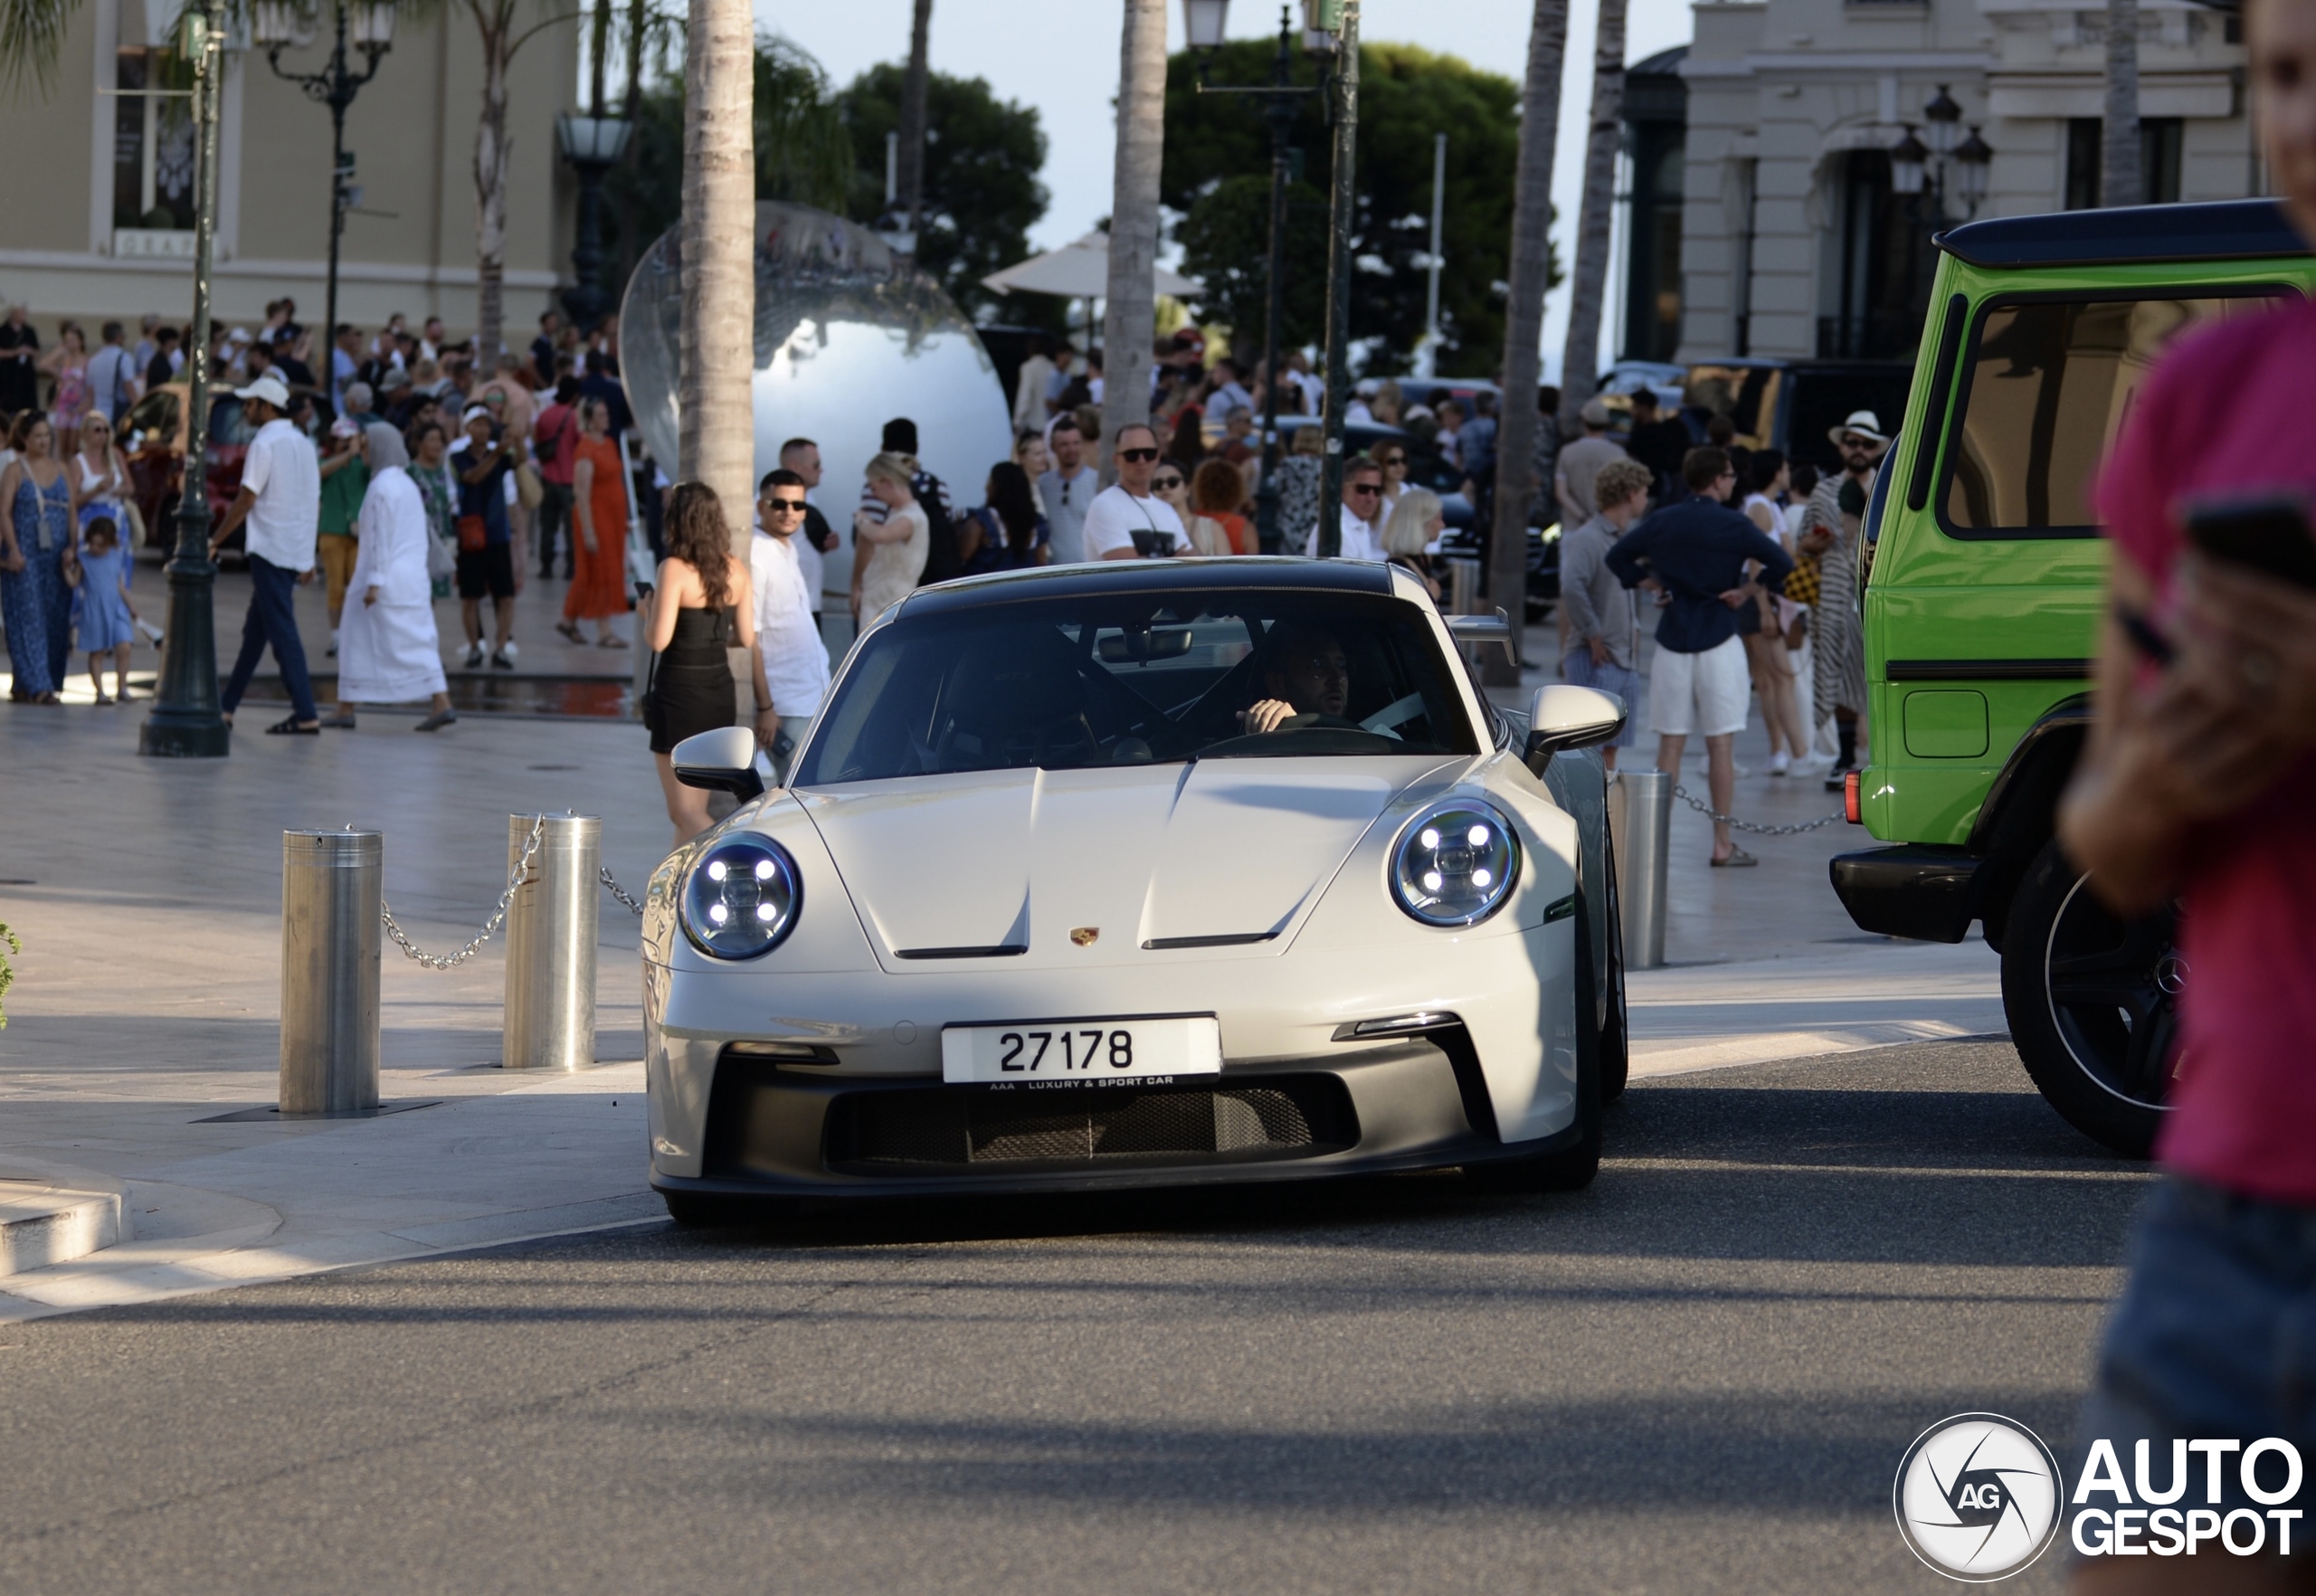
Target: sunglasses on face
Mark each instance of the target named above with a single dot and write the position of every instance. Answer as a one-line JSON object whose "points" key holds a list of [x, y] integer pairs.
{"points": [[1364, 488], [1857, 444], [1138, 455], [785, 507], [1166, 484]]}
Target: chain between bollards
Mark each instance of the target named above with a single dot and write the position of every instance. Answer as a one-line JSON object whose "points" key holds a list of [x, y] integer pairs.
{"points": [[1731, 820], [604, 873], [514, 881]]}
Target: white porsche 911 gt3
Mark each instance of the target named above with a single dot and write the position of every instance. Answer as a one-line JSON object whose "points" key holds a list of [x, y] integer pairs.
{"points": [[1159, 872]]}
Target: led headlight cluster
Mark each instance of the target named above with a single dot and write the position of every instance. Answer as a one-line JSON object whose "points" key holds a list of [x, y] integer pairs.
{"points": [[741, 898], [1455, 863]]}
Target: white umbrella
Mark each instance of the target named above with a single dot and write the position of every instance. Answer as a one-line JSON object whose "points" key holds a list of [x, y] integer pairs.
{"points": [[1080, 271]]}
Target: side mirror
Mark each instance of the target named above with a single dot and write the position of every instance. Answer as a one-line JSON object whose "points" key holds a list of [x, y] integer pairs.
{"points": [[722, 761], [1562, 717], [1486, 629]]}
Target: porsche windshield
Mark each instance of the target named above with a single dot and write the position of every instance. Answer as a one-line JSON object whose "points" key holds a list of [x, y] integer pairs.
{"points": [[1149, 677]]}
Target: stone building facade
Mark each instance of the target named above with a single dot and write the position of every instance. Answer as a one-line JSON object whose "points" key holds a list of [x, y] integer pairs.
{"points": [[97, 183], [1794, 240]]}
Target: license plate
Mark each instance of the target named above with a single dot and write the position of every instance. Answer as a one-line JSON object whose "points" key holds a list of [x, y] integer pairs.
{"points": [[1081, 1052]]}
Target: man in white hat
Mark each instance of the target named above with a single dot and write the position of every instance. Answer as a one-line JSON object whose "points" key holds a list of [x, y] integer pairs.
{"points": [[281, 501], [1836, 645]]}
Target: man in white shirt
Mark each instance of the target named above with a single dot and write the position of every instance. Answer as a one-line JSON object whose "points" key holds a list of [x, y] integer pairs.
{"points": [[791, 660], [1362, 500], [1068, 492], [281, 501], [1029, 387], [803, 456], [1118, 512]]}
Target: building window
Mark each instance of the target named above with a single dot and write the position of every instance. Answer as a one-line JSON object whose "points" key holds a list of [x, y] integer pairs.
{"points": [[152, 149], [2158, 160]]}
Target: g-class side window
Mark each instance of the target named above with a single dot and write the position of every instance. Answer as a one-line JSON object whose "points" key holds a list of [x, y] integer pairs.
{"points": [[2048, 382]]}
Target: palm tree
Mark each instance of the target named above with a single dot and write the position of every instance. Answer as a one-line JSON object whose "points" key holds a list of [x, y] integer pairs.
{"points": [[1523, 319], [715, 394], [2119, 174], [1131, 320], [913, 85], [1580, 361]]}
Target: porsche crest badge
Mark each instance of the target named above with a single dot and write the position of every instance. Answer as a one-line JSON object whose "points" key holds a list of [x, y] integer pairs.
{"points": [[1083, 935]]}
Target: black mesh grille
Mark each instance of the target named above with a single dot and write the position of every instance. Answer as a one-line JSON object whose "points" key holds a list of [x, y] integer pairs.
{"points": [[1288, 1116]]}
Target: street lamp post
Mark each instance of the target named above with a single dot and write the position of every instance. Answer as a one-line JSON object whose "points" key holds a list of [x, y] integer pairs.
{"points": [[273, 23], [1336, 22], [1203, 24], [592, 144], [185, 723]]}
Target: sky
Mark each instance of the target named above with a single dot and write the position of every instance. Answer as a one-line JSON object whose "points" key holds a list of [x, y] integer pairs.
{"points": [[1061, 56]]}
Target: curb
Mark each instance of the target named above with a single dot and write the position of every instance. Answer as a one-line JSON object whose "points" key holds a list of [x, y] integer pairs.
{"points": [[41, 1224]]}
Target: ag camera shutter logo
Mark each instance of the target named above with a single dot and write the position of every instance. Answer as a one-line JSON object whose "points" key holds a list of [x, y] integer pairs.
{"points": [[1977, 1497]]}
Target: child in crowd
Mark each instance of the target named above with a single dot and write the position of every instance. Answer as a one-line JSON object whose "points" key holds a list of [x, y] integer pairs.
{"points": [[107, 619]]}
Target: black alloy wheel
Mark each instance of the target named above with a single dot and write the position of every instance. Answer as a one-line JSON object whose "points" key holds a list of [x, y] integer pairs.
{"points": [[2093, 1003]]}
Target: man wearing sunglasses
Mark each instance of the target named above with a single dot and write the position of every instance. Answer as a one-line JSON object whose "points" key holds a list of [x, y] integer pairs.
{"points": [[1129, 507], [1362, 513], [792, 663]]}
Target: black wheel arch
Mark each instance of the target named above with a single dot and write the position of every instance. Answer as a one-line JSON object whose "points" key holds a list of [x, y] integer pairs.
{"points": [[2021, 808]]}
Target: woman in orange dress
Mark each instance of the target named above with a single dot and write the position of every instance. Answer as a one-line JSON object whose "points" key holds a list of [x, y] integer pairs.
{"points": [[599, 514]]}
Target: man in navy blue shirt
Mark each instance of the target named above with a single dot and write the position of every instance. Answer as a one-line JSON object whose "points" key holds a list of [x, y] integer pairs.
{"points": [[1693, 556]]}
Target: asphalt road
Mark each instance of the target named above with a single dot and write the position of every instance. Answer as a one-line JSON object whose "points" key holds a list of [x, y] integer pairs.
{"points": [[1700, 1374]]}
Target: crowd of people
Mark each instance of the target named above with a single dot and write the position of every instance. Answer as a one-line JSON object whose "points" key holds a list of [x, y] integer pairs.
{"points": [[1797, 645], [505, 461]]}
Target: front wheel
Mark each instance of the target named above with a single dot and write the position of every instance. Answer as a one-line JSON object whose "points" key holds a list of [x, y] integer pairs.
{"points": [[2092, 1000]]}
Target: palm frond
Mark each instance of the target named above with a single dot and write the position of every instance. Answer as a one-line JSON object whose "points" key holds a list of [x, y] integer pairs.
{"points": [[32, 36]]}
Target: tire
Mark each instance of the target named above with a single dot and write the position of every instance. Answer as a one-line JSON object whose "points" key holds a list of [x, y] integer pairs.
{"points": [[1571, 1168], [2092, 1004]]}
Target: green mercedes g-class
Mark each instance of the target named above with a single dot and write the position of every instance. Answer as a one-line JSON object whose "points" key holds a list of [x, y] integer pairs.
{"points": [[1988, 582]]}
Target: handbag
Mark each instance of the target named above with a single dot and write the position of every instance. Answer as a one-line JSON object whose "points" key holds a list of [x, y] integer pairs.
{"points": [[529, 491], [473, 537], [1802, 584], [441, 560]]}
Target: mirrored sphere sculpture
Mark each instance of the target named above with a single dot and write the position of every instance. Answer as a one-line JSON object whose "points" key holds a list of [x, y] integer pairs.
{"points": [[847, 336]]}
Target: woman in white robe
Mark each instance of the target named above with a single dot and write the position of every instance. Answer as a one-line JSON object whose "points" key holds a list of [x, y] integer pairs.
{"points": [[388, 651]]}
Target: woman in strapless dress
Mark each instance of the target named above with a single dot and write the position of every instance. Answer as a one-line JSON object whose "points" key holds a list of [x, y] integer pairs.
{"points": [[701, 607]]}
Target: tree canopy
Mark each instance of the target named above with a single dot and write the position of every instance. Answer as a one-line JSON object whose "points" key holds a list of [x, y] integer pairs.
{"points": [[981, 193], [802, 153], [1218, 161]]}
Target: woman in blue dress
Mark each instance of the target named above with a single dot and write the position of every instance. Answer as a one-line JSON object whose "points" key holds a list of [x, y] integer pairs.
{"points": [[36, 550]]}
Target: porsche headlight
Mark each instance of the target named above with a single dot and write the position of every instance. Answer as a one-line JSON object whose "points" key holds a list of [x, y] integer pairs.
{"points": [[741, 899], [1455, 863]]}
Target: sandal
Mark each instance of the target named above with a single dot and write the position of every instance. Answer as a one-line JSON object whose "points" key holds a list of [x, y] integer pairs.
{"points": [[290, 729], [611, 643], [570, 632], [1738, 860], [101, 699]]}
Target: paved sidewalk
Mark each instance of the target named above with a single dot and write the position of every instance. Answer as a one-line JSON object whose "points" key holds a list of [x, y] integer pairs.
{"points": [[147, 894]]}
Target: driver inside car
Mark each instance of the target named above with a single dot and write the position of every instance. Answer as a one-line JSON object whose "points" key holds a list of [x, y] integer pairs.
{"points": [[1308, 677]]}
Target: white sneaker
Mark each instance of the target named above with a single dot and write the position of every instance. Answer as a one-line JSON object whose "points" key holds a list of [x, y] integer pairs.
{"points": [[1781, 762], [510, 651]]}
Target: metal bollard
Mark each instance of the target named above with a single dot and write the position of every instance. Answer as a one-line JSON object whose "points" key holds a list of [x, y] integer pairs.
{"points": [[551, 928], [1640, 820], [1462, 587], [332, 888]]}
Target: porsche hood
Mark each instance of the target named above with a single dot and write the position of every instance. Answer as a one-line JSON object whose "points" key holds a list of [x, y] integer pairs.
{"points": [[1048, 868]]}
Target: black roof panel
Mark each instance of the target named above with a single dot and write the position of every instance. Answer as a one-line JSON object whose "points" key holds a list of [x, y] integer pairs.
{"points": [[1247, 573], [2228, 230]]}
